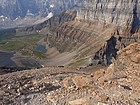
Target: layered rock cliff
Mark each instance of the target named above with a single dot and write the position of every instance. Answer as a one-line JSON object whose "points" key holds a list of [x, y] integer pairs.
{"points": [[123, 14], [92, 30]]}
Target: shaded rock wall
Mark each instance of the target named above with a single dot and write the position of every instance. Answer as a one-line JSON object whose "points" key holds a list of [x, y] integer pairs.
{"points": [[108, 52]]}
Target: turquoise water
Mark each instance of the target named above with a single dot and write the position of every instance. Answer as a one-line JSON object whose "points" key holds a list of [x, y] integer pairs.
{"points": [[41, 48]]}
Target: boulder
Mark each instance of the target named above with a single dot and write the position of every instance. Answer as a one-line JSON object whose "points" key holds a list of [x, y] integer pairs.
{"points": [[99, 73], [67, 83], [82, 81], [109, 73]]}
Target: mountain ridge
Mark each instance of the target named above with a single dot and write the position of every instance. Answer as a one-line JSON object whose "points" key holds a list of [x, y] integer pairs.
{"points": [[87, 30]]}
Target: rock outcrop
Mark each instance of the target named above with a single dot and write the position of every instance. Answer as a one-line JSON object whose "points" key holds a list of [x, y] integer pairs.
{"points": [[128, 62]]}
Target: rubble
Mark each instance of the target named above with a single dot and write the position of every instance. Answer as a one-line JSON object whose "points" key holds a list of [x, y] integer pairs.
{"points": [[116, 85]]}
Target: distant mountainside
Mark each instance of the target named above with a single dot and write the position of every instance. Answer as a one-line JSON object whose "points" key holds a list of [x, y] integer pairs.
{"points": [[16, 8], [13, 12]]}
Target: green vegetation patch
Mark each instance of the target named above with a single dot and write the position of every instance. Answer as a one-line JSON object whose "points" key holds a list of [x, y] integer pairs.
{"points": [[39, 54], [7, 33], [22, 44]]}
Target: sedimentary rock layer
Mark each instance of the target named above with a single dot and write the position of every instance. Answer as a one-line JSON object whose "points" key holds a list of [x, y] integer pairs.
{"points": [[124, 14]]}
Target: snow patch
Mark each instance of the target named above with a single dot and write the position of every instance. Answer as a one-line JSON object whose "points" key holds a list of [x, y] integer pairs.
{"points": [[16, 19], [2, 16], [50, 15], [29, 13], [52, 6]]}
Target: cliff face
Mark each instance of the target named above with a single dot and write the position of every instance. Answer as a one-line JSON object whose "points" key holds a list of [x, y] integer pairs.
{"points": [[123, 14]]}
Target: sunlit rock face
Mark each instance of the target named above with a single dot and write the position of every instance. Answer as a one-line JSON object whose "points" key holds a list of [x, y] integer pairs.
{"points": [[124, 14]]}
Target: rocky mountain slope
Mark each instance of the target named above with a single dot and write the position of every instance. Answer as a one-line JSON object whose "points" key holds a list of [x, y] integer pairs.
{"points": [[118, 84], [91, 30], [93, 35]]}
